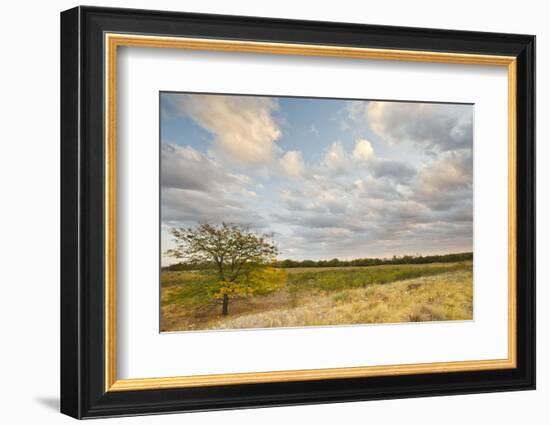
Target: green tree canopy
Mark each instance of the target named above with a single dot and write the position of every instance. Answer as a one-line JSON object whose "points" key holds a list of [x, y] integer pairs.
{"points": [[238, 256]]}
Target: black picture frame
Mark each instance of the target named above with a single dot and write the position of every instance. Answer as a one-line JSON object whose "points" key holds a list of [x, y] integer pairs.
{"points": [[83, 392]]}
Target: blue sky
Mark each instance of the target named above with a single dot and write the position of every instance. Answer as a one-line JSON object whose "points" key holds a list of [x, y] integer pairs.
{"points": [[328, 177]]}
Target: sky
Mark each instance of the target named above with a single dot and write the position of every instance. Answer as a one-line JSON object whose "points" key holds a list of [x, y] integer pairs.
{"points": [[329, 178]]}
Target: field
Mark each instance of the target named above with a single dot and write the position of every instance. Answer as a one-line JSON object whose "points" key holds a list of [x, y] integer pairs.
{"points": [[326, 296]]}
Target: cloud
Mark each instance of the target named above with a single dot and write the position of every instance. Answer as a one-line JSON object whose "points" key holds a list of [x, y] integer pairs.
{"points": [[446, 182], [373, 207], [363, 162], [333, 200], [186, 168], [412, 195], [292, 164], [336, 158], [373, 188], [363, 150], [441, 127], [396, 170], [195, 188], [378, 207], [243, 127], [184, 207]]}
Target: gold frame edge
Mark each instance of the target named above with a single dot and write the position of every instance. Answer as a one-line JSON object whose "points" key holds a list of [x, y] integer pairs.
{"points": [[113, 41]]}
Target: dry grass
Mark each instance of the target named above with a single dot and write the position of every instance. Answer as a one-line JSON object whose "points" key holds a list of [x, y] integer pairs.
{"points": [[433, 298], [446, 295]]}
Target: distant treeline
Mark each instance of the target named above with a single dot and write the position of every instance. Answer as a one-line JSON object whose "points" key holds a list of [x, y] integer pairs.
{"points": [[405, 259], [335, 262]]}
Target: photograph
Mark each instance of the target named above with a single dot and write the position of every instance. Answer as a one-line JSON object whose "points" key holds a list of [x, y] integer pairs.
{"points": [[280, 212], [285, 210]]}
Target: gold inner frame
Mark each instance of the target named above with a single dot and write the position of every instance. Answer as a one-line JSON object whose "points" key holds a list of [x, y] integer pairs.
{"points": [[113, 41]]}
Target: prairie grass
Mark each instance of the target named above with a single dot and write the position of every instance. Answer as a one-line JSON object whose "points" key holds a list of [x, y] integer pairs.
{"points": [[337, 296], [430, 298], [336, 279]]}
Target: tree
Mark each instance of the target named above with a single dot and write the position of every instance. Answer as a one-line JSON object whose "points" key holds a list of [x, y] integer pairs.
{"points": [[238, 256]]}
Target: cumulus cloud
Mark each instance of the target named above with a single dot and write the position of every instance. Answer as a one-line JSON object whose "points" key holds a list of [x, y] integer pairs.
{"points": [[373, 188], [451, 171], [243, 127], [292, 164], [441, 127], [384, 206], [345, 199], [188, 207], [362, 161], [194, 187], [446, 182], [363, 150], [336, 158], [396, 170], [186, 168]]}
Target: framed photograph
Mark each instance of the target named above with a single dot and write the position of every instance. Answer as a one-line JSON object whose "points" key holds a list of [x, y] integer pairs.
{"points": [[261, 212]]}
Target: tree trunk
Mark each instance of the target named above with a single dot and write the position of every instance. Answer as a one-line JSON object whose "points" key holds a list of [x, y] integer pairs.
{"points": [[225, 305]]}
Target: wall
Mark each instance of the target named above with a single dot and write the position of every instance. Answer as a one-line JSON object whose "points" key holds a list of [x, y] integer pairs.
{"points": [[29, 228]]}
